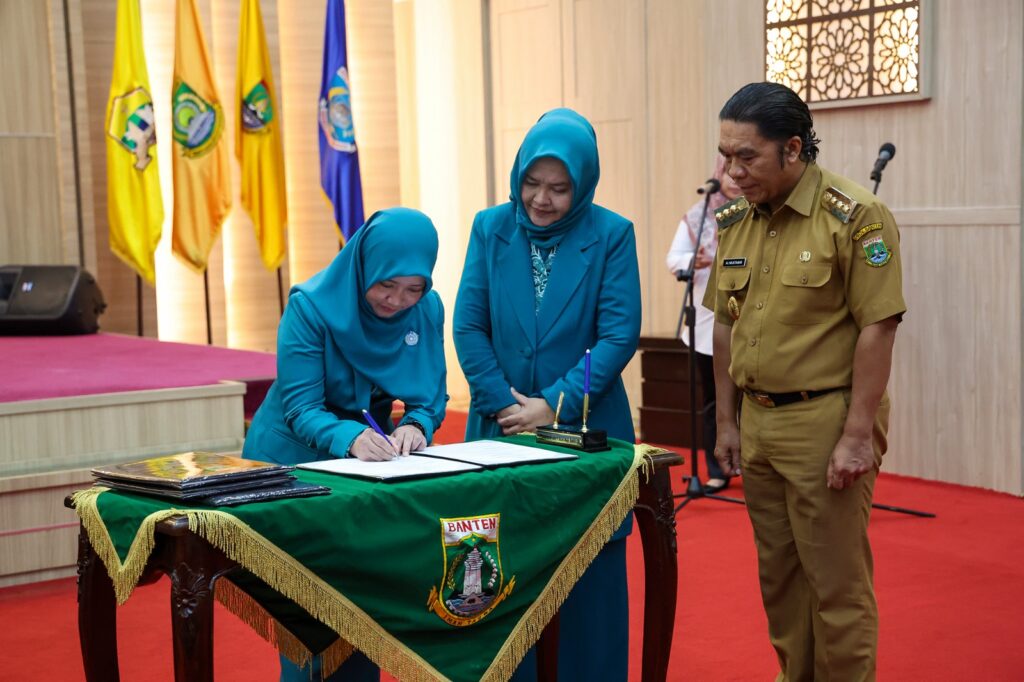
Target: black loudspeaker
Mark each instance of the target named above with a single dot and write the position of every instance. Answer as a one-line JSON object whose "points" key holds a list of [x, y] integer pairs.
{"points": [[40, 300]]}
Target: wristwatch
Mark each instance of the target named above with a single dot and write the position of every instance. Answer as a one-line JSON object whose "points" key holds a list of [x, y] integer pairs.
{"points": [[415, 424]]}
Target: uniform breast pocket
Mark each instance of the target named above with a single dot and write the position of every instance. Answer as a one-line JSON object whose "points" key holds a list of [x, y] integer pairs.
{"points": [[806, 296], [732, 283]]}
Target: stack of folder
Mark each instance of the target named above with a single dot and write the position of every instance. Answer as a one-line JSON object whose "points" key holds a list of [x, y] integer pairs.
{"points": [[206, 478]]}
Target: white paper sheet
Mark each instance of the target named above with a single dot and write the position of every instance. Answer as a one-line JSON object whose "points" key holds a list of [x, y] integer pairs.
{"points": [[491, 453], [395, 469]]}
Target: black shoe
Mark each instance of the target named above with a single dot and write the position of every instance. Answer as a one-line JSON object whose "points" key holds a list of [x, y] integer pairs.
{"points": [[712, 488]]}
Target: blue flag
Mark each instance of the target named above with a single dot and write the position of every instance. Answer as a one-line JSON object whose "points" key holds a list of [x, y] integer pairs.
{"points": [[339, 160]]}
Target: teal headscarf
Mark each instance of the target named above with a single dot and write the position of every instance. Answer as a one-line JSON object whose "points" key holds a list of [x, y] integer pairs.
{"points": [[404, 354], [564, 135]]}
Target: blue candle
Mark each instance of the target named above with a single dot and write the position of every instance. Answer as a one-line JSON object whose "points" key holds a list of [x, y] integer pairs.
{"points": [[586, 372]]}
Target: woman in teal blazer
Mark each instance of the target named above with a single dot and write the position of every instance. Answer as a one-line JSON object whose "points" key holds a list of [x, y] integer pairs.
{"points": [[547, 276], [360, 334]]}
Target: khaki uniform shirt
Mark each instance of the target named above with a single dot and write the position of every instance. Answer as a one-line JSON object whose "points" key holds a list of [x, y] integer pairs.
{"points": [[798, 286]]}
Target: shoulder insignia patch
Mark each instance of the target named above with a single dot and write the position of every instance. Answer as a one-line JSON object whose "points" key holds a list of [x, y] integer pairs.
{"points": [[838, 204], [866, 229], [732, 212], [876, 253]]}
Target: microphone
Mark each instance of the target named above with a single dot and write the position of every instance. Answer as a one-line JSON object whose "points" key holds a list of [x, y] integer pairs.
{"points": [[886, 152], [710, 187]]}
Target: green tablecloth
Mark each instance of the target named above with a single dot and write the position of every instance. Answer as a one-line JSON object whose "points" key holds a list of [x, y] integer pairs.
{"points": [[450, 577]]}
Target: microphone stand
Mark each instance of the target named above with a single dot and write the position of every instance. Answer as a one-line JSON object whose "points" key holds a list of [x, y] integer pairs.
{"points": [[688, 313], [876, 175]]}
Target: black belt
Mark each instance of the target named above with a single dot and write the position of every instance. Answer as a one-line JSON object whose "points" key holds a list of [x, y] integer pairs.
{"points": [[780, 399]]}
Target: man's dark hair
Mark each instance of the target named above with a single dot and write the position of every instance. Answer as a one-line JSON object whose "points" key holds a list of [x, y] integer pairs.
{"points": [[778, 113]]}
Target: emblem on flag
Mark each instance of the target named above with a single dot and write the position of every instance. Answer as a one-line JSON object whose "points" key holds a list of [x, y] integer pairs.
{"points": [[336, 113], [257, 109], [473, 583], [131, 124], [197, 123], [876, 252]]}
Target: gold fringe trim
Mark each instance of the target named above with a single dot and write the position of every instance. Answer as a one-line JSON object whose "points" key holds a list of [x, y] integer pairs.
{"points": [[125, 576], [250, 612], [283, 573], [576, 562]]}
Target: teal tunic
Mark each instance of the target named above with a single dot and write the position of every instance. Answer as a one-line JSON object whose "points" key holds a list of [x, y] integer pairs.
{"points": [[505, 340], [335, 357]]}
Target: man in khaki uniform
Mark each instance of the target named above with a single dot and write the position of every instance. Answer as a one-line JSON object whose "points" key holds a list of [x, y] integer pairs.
{"points": [[807, 298]]}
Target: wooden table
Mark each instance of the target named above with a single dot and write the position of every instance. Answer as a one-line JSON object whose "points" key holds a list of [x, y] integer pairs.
{"points": [[193, 566]]}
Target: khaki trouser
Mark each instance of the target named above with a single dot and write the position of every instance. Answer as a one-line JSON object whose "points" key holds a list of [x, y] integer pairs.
{"points": [[813, 553]]}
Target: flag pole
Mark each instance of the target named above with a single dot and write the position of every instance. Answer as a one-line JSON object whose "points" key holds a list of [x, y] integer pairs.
{"points": [[206, 296], [138, 305], [280, 291]]}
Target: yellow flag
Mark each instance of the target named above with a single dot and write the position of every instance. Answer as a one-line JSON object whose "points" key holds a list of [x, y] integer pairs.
{"points": [[135, 208], [202, 176], [258, 138]]}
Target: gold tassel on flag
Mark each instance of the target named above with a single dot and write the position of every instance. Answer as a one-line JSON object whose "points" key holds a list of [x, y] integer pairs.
{"points": [[135, 208], [202, 177], [258, 138]]}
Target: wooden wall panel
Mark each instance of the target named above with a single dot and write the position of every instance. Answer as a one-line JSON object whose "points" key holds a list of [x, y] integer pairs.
{"points": [[29, 183], [956, 371], [680, 147], [26, 63], [37, 153], [526, 75]]}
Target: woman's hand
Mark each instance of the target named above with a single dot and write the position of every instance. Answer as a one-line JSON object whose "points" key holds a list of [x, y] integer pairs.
{"points": [[533, 412], [703, 258], [370, 446], [508, 411], [408, 438]]}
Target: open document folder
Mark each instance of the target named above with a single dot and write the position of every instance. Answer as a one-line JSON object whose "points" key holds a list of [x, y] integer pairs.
{"points": [[440, 460]]}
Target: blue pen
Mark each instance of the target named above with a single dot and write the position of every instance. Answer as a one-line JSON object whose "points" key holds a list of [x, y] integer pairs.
{"points": [[376, 427]]}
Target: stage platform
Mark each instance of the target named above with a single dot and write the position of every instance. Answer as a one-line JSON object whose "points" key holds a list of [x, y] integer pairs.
{"points": [[70, 403]]}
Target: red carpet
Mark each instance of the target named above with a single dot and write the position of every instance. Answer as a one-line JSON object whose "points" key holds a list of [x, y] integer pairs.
{"points": [[950, 592]]}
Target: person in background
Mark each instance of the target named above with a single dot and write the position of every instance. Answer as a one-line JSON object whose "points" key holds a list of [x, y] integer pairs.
{"points": [[548, 275], [808, 295], [680, 255], [360, 334]]}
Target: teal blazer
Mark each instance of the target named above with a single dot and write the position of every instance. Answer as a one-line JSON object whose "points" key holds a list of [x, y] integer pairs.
{"points": [[592, 301]]}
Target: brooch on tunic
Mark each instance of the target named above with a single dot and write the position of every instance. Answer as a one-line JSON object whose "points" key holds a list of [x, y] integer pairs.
{"points": [[412, 338], [734, 308]]}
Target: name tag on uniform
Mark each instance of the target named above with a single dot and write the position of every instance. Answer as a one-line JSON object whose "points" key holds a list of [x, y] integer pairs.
{"points": [[734, 263]]}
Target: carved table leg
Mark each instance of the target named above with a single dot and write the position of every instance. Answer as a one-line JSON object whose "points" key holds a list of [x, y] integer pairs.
{"points": [[657, 522], [97, 615], [193, 569]]}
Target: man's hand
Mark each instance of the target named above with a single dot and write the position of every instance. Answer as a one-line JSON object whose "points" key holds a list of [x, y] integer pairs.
{"points": [[533, 412], [851, 458], [727, 448]]}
